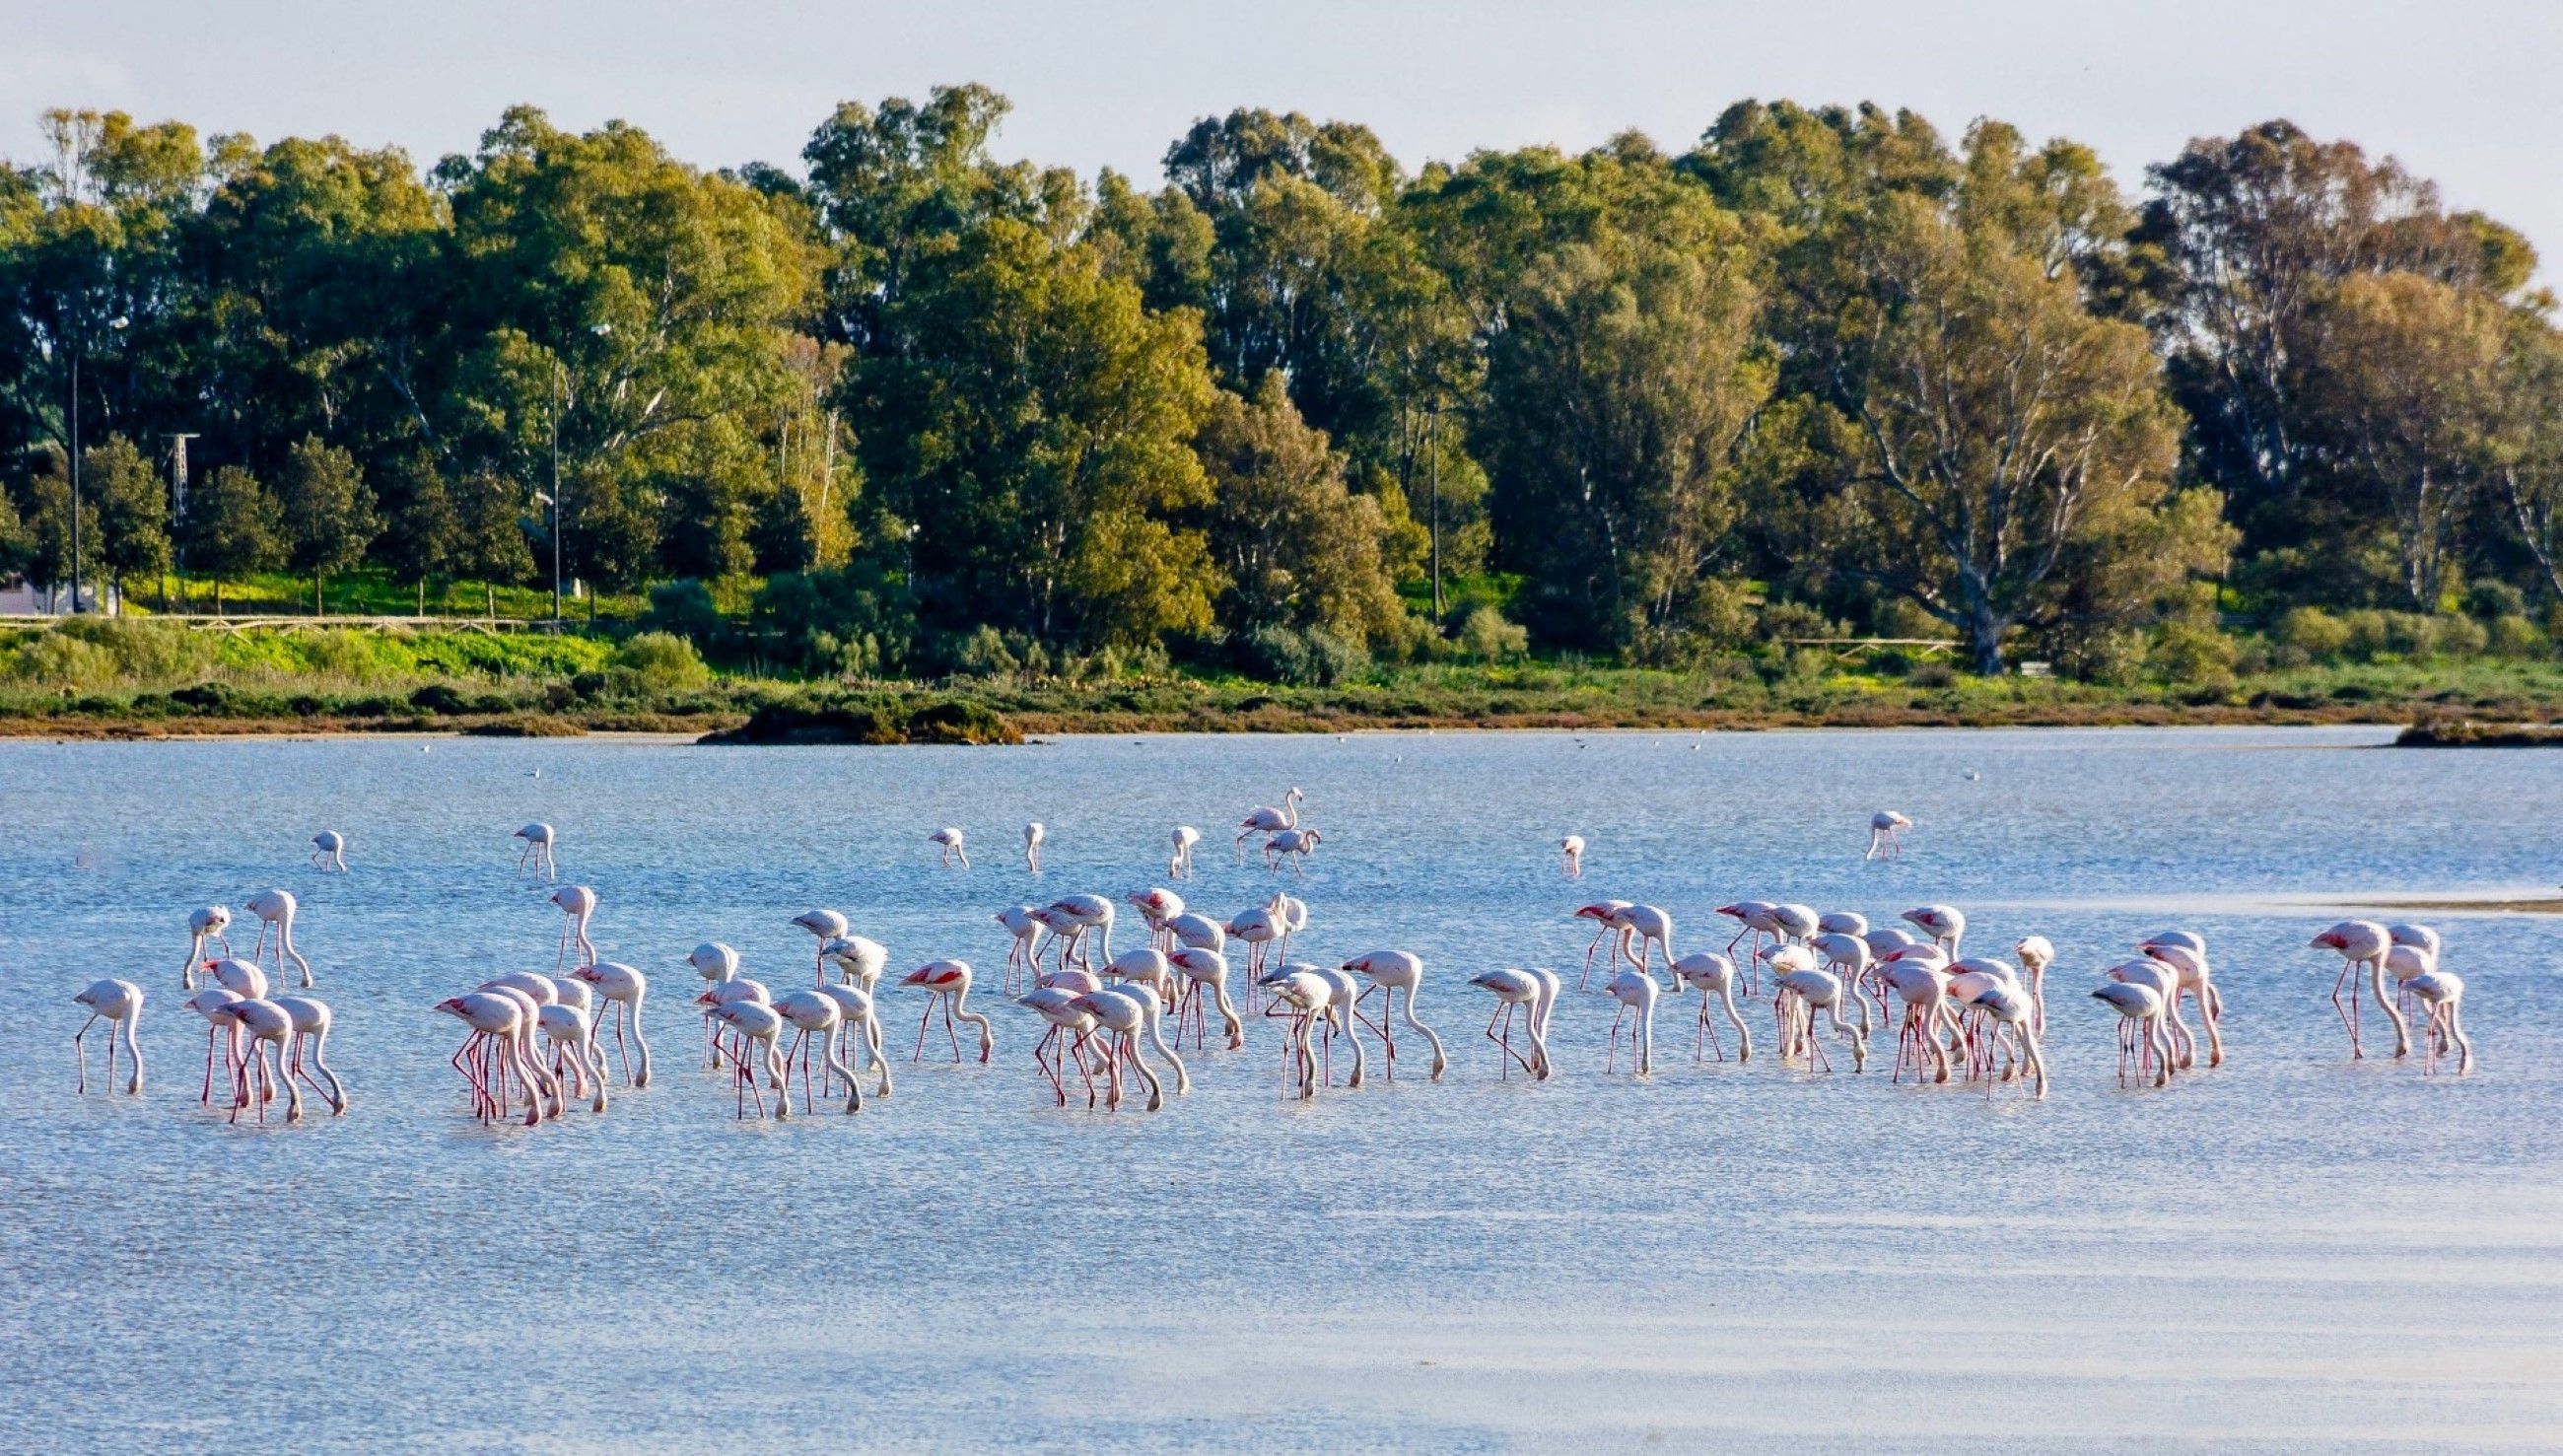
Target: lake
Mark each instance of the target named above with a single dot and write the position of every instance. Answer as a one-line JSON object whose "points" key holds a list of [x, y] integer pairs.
{"points": [[2293, 1252]]}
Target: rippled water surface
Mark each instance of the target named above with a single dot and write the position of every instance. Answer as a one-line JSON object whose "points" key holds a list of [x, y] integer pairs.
{"points": [[2293, 1252]]}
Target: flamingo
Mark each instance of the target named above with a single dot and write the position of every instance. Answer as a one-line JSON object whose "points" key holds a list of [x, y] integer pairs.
{"points": [[860, 959], [1205, 970], [1715, 977], [722, 993], [947, 983], [1572, 848], [1121, 1016], [1156, 905], [1258, 928], [1025, 931], [1086, 915], [329, 850], [1811, 991], [1609, 918], [1636, 992], [1390, 972], [757, 1025], [2140, 1030], [949, 839], [2014, 1013], [572, 1037], [857, 1015], [1308, 998], [625, 990], [1650, 928], [824, 926], [1845, 954], [714, 962], [580, 996], [2193, 977], [1514, 990], [1034, 834], [1295, 844], [205, 923], [1924, 990], [311, 1020], [215, 1004], [1068, 1024], [577, 905], [275, 911], [1290, 913], [1883, 827], [2363, 942], [495, 1021], [1946, 924], [2165, 983], [1752, 917], [120, 1003], [537, 853], [2036, 953], [1180, 867], [816, 1017], [1842, 923], [265, 1028], [1268, 821], [2443, 993]]}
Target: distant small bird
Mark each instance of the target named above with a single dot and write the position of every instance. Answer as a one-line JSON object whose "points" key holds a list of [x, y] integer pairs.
{"points": [[329, 850], [1572, 847]]}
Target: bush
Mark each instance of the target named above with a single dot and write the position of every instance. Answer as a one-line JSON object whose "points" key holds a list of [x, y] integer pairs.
{"points": [[349, 654], [2314, 632], [1314, 657], [684, 608], [438, 698], [1487, 637], [1781, 621], [2513, 635], [1933, 674], [147, 651], [960, 720], [661, 663], [2458, 636], [2191, 654], [2369, 632], [62, 660], [2493, 601], [984, 654]]}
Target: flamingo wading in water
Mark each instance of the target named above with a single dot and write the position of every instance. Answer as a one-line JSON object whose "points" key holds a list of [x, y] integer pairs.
{"points": [[537, 853], [119, 1002], [275, 911], [207, 922], [948, 985], [329, 850], [949, 840], [1268, 821]]}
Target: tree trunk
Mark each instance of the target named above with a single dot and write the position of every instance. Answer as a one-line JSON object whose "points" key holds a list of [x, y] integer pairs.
{"points": [[491, 589], [318, 608]]}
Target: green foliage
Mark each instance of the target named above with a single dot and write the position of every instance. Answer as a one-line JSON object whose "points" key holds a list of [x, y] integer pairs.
{"points": [[1485, 635], [660, 663], [232, 528], [145, 651], [62, 660], [327, 512]]}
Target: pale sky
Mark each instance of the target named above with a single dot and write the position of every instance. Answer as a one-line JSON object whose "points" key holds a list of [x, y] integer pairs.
{"points": [[2459, 89]]}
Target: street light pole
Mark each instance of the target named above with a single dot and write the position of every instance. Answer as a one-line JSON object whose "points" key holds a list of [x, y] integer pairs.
{"points": [[76, 483], [556, 509]]}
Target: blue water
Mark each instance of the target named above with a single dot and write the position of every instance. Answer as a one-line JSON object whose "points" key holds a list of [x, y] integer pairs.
{"points": [[2292, 1252]]}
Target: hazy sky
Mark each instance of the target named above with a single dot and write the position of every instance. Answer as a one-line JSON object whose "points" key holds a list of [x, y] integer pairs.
{"points": [[2454, 89]]}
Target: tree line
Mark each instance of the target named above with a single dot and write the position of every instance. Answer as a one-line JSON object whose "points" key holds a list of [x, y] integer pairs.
{"points": [[1826, 371]]}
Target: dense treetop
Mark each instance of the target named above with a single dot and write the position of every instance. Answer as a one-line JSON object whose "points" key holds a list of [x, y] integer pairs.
{"points": [[1829, 371]]}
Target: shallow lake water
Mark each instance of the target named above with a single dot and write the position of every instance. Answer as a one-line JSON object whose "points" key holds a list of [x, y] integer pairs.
{"points": [[2292, 1252]]}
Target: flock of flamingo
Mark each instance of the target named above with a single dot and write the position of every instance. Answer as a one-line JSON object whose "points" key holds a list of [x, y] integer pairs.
{"points": [[536, 1040]]}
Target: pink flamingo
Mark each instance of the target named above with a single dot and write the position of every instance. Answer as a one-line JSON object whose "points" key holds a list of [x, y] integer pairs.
{"points": [[329, 850], [1610, 921], [758, 1027], [266, 1027], [948, 840], [947, 983], [1180, 867], [311, 1019], [2141, 1037], [824, 926], [1023, 932], [1516, 991], [2363, 942], [495, 1021], [860, 960], [1069, 1024], [815, 1019], [854, 1007], [624, 988], [1392, 972], [1086, 914], [1713, 976], [1634, 991], [2443, 993], [1571, 848], [120, 1003], [1268, 821], [571, 1034], [206, 923], [1156, 907], [577, 905], [537, 853], [1924, 990], [215, 1004], [1296, 845], [1883, 828], [1946, 924], [1205, 970], [275, 911], [2036, 953]]}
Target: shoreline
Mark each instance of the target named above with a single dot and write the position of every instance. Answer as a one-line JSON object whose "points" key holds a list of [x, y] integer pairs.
{"points": [[1268, 720]]}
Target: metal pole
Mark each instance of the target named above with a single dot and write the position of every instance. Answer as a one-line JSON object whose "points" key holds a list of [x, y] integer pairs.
{"points": [[556, 498], [75, 484]]}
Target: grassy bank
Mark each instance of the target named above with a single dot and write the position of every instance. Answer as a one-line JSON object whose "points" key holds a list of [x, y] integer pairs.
{"points": [[144, 678]]}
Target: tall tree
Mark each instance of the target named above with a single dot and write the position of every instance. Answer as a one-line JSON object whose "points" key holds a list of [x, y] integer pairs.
{"points": [[491, 542], [1298, 549], [132, 511], [231, 528], [328, 514], [423, 535], [1616, 402]]}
